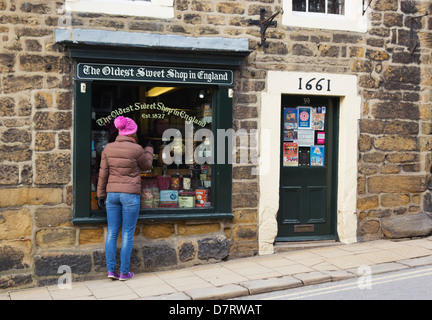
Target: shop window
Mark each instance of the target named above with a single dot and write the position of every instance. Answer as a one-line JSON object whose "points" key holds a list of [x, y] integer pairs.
{"points": [[187, 180], [325, 14], [170, 119]]}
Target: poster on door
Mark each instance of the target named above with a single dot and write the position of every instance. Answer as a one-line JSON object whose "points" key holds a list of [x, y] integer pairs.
{"points": [[317, 156], [304, 136], [290, 118], [320, 137], [290, 135], [305, 115], [290, 154], [318, 118]]}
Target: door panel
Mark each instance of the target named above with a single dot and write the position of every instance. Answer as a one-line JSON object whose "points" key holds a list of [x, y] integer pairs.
{"points": [[291, 201], [307, 208], [317, 204]]}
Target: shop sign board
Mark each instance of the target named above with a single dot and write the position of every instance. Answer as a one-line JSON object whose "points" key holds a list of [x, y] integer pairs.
{"points": [[117, 72]]}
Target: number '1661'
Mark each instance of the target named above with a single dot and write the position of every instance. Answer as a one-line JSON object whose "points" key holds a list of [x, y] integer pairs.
{"points": [[318, 85]]}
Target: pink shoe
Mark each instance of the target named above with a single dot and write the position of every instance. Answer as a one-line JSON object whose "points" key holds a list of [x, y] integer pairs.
{"points": [[127, 276], [113, 275]]}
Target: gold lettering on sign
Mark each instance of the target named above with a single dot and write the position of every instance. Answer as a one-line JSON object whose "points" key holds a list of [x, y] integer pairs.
{"points": [[159, 106]]}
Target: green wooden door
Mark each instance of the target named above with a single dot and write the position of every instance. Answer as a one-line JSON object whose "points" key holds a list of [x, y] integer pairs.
{"points": [[308, 175]]}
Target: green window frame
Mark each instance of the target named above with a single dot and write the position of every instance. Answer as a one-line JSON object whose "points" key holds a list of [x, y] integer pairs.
{"points": [[222, 177], [159, 51]]}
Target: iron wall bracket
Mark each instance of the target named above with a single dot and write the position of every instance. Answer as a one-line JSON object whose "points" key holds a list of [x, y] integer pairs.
{"points": [[264, 24], [414, 43]]}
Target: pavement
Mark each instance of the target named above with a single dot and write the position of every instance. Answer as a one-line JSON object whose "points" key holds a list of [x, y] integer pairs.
{"points": [[247, 276]]}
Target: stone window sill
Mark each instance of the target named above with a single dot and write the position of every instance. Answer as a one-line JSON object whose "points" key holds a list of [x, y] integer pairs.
{"points": [[155, 8], [159, 217]]}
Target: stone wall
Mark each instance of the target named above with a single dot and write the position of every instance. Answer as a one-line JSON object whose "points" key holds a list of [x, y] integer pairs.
{"points": [[36, 187], [394, 162], [36, 136]]}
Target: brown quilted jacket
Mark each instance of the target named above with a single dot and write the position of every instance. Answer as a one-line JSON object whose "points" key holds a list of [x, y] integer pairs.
{"points": [[121, 165]]}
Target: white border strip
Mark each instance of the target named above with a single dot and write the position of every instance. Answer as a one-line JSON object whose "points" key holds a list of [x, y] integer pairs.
{"points": [[343, 86]]}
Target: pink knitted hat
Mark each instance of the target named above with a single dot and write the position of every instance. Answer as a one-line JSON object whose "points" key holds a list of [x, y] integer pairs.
{"points": [[126, 126]]}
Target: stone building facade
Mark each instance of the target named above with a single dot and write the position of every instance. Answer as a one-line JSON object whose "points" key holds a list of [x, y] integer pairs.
{"points": [[380, 73]]}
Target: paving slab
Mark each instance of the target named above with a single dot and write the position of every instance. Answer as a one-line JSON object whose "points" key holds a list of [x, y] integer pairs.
{"points": [[313, 278], [417, 262], [169, 296], [301, 255], [424, 243], [117, 292], [220, 293], [254, 271], [188, 283], [385, 244], [387, 267], [154, 290], [293, 269], [347, 262], [127, 296], [324, 266], [145, 281], [310, 262], [338, 275], [275, 262], [105, 283], [330, 252], [229, 277], [219, 276], [378, 257], [273, 284], [77, 291], [4, 296], [357, 248], [409, 252], [31, 294], [378, 268], [180, 273]]}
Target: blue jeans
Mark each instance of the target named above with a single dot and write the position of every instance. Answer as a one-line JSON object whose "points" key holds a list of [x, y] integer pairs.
{"points": [[122, 210]]}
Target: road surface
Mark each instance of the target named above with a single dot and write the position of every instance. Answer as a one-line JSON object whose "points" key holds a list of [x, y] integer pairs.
{"points": [[409, 284]]}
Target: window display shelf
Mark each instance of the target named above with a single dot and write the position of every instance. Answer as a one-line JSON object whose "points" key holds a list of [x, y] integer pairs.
{"points": [[167, 215]]}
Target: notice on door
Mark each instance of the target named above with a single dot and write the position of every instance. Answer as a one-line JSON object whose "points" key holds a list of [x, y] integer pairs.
{"points": [[306, 137], [304, 118], [303, 136], [290, 154], [317, 156]]}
